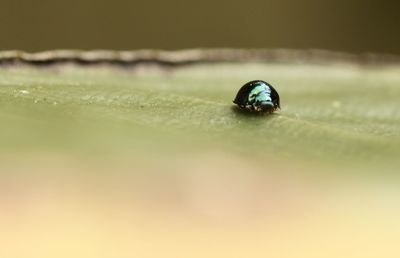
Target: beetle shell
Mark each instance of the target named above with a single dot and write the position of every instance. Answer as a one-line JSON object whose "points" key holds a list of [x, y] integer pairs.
{"points": [[258, 96]]}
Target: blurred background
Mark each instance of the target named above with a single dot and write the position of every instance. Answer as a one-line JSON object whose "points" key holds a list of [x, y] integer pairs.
{"points": [[343, 25]]}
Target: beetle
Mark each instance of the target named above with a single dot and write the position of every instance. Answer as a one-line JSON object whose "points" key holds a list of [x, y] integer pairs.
{"points": [[258, 96]]}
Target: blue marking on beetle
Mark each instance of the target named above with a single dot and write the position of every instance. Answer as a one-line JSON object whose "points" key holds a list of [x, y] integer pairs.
{"points": [[258, 96]]}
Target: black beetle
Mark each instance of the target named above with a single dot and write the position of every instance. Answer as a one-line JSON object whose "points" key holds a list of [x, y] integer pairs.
{"points": [[258, 96]]}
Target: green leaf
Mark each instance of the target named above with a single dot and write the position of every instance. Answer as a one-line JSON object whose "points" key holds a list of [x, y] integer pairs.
{"points": [[334, 116]]}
